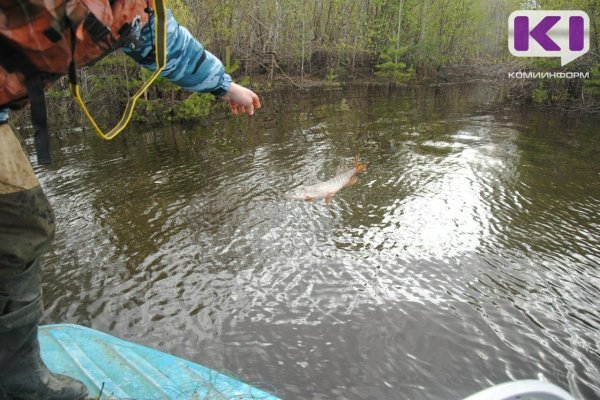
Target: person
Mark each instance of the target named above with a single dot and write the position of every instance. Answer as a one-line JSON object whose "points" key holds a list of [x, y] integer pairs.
{"points": [[27, 220]]}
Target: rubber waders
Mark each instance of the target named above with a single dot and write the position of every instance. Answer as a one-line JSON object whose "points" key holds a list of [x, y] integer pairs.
{"points": [[26, 231]]}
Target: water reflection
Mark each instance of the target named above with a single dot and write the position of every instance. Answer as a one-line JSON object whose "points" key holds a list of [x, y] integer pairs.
{"points": [[465, 256]]}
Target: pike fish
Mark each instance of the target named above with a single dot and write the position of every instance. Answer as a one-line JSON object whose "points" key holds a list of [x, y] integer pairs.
{"points": [[326, 190]]}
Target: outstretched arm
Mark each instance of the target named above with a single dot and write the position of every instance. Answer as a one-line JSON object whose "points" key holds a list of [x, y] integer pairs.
{"points": [[192, 67]]}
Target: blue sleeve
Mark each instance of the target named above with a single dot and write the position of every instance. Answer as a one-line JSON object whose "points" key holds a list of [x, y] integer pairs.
{"points": [[188, 64], [4, 114]]}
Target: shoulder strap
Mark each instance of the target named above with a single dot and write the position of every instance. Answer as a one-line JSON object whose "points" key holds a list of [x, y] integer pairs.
{"points": [[160, 53], [13, 60], [39, 118]]}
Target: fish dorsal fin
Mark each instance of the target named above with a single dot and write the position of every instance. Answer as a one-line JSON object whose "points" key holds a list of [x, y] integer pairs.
{"points": [[339, 169]]}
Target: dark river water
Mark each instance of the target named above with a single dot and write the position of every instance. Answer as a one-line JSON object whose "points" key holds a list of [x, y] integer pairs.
{"points": [[467, 255]]}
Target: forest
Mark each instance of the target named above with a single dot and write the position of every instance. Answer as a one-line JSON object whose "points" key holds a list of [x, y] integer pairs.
{"points": [[299, 44]]}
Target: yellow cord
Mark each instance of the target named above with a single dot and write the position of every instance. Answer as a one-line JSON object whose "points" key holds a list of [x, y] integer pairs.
{"points": [[160, 52]]}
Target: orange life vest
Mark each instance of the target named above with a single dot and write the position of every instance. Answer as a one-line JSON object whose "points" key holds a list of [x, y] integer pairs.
{"points": [[44, 36]]}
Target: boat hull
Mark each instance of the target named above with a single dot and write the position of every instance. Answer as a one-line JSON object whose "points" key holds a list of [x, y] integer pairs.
{"points": [[120, 369]]}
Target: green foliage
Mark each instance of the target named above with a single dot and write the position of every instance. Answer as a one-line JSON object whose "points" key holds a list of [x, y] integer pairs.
{"points": [[391, 65], [245, 81], [230, 68], [540, 95], [332, 78], [153, 111], [181, 12], [196, 106]]}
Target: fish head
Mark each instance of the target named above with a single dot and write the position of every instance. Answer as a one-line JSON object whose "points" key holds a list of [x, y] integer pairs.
{"points": [[297, 193]]}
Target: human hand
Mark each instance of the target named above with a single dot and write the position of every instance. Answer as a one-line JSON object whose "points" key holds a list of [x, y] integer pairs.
{"points": [[241, 100]]}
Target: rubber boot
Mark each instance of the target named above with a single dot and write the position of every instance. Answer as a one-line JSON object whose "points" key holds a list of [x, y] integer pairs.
{"points": [[26, 232], [23, 374]]}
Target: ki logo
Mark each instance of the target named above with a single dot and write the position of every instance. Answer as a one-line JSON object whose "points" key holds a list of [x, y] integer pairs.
{"points": [[558, 33]]}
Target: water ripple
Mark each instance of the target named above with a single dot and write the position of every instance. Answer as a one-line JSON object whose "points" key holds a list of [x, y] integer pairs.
{"points": [[466, 255]]}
